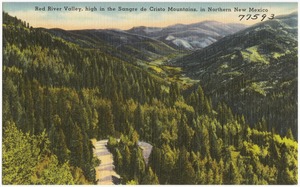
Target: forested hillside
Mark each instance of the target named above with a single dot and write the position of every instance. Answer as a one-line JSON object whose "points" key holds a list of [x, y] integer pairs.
{"points": [[58, 95], [129, 47], [254, 71]]}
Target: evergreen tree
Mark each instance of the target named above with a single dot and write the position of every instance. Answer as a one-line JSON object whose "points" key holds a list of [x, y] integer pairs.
{"points": [[58, 143], [155, 160], [289, 134], [185, 133], [139, 119], [149, 177], [286, 170], [183, 172], [76, 146], [137, 166], [232, 175], [28, 160]]}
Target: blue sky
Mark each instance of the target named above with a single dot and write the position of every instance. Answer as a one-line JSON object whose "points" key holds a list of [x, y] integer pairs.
{"points": [[125, 20]]}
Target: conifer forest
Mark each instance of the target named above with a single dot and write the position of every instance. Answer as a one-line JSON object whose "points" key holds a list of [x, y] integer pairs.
{"points": [[225, 113]]}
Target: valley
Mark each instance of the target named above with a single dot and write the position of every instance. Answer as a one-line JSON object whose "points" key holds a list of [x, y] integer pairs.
{"points": [[169, 73], [254, 66], [203, 103]]}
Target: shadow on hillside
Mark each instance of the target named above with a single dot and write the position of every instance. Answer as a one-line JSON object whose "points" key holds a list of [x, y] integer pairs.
{"points": [[116, 180]]}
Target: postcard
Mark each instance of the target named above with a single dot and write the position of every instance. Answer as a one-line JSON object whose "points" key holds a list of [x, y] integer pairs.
{"points": [[108, 93]]}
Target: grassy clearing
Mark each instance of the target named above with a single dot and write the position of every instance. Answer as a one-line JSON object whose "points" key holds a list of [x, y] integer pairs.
{"points": [[259, 87], [251, 54], [156, 69], [277, 55], [233, 73], [169, 73]]}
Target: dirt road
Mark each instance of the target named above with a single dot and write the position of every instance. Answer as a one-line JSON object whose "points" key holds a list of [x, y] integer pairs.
{"points": [[105, 173]]}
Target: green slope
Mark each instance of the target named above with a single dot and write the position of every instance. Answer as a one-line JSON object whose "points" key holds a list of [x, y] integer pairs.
{"points": [[129, 47], [58, 95], [254, 71]]}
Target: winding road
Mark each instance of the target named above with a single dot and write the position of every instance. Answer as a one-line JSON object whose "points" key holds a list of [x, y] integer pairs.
{"points": [[105, 173]]}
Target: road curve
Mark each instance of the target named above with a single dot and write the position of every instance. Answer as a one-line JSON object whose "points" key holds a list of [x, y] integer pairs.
{"points": [[105, 173]]}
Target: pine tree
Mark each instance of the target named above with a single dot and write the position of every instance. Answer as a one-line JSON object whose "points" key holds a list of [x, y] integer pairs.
{"points": [[59, 146], [76, 146], [250, 177], [149, 177], [28, 160], [183, 172], [126, 162], [286, 174], [185, 133], [137, 164], [155, 160], [118, 162], [19, 159], [289, 134], [232, 175], [50, 172], [174, 93], [138, 119]]}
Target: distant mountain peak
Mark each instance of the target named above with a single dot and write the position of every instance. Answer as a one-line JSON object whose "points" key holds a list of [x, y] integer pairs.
{"points": [[189, 36], [250, 68]]}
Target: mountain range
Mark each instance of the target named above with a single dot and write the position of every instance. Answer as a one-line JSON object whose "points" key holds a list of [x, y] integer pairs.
{"points": [[189, 36], [221, 114], [245, 67], [118, 43], [150, 43], [254, 71]]}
